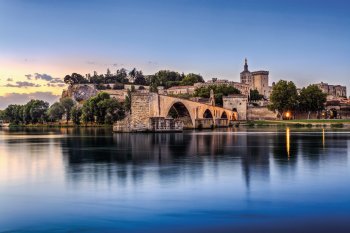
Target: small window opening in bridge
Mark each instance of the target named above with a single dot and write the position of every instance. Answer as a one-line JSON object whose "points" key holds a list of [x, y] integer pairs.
{"points": [[207, 114]]}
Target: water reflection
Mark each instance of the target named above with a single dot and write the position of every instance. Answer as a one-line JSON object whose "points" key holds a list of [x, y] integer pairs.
{"points": [[98, 155], [288, 141], [94, 153], [196, 176]]}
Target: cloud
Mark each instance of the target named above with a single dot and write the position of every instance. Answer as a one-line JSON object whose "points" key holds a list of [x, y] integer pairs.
{"points": [[16, 98], [22, 84], [56, 80], [152, 63], [9, 80], [45, 77], [29, 76], [91, 63], [56, 85]]}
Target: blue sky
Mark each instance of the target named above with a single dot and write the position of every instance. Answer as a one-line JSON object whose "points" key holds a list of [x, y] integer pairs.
{"points": [[305, 41]]}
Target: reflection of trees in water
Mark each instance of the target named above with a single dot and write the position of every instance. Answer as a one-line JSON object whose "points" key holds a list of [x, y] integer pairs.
{"points": [[285, 148], [323, 146], [255, 157], [103, 154], [312, 147], [99, 154]]}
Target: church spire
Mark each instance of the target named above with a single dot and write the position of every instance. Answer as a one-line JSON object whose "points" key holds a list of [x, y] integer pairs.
{"points": [[246, 65]]}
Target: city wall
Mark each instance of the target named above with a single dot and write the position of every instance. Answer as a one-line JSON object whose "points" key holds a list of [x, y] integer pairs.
{"points": [[260, 113]]}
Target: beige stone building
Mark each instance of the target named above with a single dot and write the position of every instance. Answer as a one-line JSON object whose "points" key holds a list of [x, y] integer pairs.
{"points": [[176, 90], [236, 103], [332, 90], [242, 87], [257, 80]]}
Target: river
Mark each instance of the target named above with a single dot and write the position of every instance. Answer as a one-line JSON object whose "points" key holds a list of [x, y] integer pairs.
{"points": [[242, 179]]}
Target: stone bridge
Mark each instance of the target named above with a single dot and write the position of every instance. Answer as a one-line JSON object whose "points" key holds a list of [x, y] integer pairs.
{"points": [[147, 106]]}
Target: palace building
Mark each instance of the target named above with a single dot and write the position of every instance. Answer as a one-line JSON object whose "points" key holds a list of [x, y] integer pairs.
{"points": [[257, 80], [332, 90]]}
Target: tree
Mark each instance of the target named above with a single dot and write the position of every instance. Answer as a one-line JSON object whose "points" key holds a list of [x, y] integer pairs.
{"points": [[14, 113], [255, 95], [153, 88], [121, 76], [284, 97], [139, 78], [38, 109], [67, 104], [165, 78], [102, 109], [311, 99], [75, 79], [108, 74], [2, 115], [55, 112], [76, 115], [191, 79], [127, 102], [111, 109], [132, 74], [219, 92]]}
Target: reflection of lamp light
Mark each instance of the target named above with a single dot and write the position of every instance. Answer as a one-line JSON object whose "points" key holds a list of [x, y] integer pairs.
{"points": [[323, 138], [288, 141]]}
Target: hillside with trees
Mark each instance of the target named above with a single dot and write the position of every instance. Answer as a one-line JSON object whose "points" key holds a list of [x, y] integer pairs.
{"points": [[164, 78]]}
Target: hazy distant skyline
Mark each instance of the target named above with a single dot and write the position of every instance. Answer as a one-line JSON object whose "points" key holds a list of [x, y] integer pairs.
{"points": [[303, 41]]}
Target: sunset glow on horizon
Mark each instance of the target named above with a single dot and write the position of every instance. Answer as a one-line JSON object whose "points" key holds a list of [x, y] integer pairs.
{"points": [[302, 41]]}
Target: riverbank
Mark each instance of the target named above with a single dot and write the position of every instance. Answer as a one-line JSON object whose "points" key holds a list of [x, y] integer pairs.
{"points": [[301, 123], [56, 125]]}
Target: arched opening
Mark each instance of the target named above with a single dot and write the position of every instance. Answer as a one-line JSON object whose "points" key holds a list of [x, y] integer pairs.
{"points": [[234, 109], [333, 114], [179, 111], [224, 115], [207, 114]]}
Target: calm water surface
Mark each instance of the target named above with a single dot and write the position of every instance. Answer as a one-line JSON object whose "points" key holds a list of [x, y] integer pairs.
{"points": [[235, 180]]}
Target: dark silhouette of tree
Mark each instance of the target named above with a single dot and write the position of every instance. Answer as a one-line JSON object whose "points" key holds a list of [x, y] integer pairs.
{"points": [[284, 97], [55, 112], [311, 99]]}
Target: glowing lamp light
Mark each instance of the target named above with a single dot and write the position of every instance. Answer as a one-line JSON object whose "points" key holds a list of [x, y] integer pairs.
{"points": [[287, 114]]}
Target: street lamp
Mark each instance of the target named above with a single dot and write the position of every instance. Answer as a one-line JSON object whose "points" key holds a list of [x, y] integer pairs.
{"points": [[288, 115]]}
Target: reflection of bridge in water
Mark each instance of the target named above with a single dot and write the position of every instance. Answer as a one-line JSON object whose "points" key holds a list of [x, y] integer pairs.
{"points": [[254, 154], [154, 112]]}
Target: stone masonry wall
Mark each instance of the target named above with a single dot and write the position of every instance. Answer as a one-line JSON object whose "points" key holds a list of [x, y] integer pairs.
{"points": [[260, 113], [140, 112]]}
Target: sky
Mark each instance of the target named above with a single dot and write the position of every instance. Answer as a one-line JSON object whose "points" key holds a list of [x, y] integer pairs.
{"points": [[306, 41]]}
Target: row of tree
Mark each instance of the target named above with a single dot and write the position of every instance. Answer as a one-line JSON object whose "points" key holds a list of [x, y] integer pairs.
{"points": [[285, 97], [37, 111], [100, 109], [164, 78]]}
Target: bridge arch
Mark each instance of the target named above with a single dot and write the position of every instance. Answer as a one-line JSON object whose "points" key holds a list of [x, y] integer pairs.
{"points": [[224, 115], [179, 110], [208, 114]]}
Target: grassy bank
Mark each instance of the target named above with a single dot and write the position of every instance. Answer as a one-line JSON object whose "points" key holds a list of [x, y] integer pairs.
{"points": [[301, 123], [56, 125]]}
